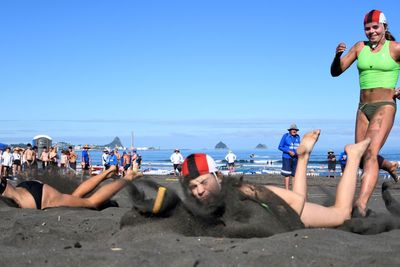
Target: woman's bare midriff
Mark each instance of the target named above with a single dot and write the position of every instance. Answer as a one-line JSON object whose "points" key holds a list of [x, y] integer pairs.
{"points": [[376, 95]]}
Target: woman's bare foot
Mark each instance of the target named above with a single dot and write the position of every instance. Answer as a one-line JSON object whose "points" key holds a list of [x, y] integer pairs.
{"points": [[132, 174], [111, 171], [394, 165], [357, 150], [308, 142]]}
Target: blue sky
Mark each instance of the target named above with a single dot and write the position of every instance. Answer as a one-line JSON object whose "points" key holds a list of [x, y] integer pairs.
{"points": [[180, 73]]}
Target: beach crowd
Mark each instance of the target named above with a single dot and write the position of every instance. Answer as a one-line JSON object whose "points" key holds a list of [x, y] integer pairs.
{"points": [[14, 161]]}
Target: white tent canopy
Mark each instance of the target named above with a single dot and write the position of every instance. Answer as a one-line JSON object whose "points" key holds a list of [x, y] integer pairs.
{"points": [[42, 136]]}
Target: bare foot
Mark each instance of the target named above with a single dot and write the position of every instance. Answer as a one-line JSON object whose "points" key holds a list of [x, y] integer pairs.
{"points": [[394, 165], [132, 174], [308, 142], [357, 150], [111, 171]]}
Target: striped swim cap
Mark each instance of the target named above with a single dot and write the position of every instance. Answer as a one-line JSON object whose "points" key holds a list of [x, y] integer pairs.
{"points": [[198, 164], [375, 16]]}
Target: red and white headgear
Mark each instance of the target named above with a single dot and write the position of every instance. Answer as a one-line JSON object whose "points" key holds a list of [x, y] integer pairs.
{"points": [[198, 164], [375, 16]]}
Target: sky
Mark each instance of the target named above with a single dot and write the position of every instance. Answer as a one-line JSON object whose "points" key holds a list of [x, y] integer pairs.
{"points": [[180, 73]]}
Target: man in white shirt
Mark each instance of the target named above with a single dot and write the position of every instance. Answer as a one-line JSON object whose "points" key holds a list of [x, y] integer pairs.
{"points": [[177, 160], [230, 158], [104, 158], [7, 159]]}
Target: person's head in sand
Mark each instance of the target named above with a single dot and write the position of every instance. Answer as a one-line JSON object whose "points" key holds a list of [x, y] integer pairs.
{"points": [[201, 177], [202, 181]]}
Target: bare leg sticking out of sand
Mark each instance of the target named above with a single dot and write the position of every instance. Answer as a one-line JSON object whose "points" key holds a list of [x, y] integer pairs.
{"points": [[314, 215]]}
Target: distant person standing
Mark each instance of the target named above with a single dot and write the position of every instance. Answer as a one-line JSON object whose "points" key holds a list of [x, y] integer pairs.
{"points": [[53, 157], [17, 160], [177, 160], [230, 159], [134, 156], [343, 160], [104, 159], [289, 143], [64, 159], [30, 156], [72, 157], [85, 161], [113, 159], [331, 163], [44, 157], [126, 161], [116, 153], [7, 161]]}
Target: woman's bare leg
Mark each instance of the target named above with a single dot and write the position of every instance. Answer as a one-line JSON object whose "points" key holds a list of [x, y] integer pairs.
{"points": [[303, 152], [297, 198], [53, 198], [107, 191], [90, 184], [315, 215], [378, 130], [391, 167]]}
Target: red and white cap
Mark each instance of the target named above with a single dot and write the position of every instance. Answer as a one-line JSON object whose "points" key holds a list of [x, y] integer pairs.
{"points": [[375, 16], [198, 164]]}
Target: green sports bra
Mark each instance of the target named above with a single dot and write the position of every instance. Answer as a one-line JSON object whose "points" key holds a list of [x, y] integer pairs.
{"points": [[377, 70]]}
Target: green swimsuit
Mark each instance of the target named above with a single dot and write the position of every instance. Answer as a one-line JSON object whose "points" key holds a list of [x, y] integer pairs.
{"points": [[377, 70]]}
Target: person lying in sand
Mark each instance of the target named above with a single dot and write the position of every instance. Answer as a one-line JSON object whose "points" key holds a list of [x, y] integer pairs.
{"points": [[203, 182], [36, 195]]}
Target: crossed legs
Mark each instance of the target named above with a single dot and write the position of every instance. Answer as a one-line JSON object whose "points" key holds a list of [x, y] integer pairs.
{"points": [[53, 198]]}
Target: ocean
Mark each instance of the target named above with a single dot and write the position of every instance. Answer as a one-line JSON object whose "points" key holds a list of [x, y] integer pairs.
{"points": [[261, 162]]}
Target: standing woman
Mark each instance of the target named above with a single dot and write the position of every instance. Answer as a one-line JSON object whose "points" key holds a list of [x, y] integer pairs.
{"points": [[378, 63]]}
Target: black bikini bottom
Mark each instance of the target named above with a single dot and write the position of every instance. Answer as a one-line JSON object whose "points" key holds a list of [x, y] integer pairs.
{"points": [[35, 188]]}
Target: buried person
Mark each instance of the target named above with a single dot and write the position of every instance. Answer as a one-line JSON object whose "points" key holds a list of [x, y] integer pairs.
{"points": [[203, 183], [223, 207], [38, 195]]}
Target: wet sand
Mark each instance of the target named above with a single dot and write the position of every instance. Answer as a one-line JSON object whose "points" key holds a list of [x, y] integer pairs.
{"points": [[82, 237]]}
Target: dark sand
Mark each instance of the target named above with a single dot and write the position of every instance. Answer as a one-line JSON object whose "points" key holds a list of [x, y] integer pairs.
{"points": [[82, 237]]}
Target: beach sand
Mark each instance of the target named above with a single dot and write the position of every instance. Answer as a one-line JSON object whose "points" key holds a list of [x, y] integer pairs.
{"points": [[82, 237]]}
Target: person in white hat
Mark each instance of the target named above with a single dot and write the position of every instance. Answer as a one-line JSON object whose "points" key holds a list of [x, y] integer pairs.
{"points": [[202, 181], [104, 158], [230, 159], [378, 63], [288, 145], [176, 160]]}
